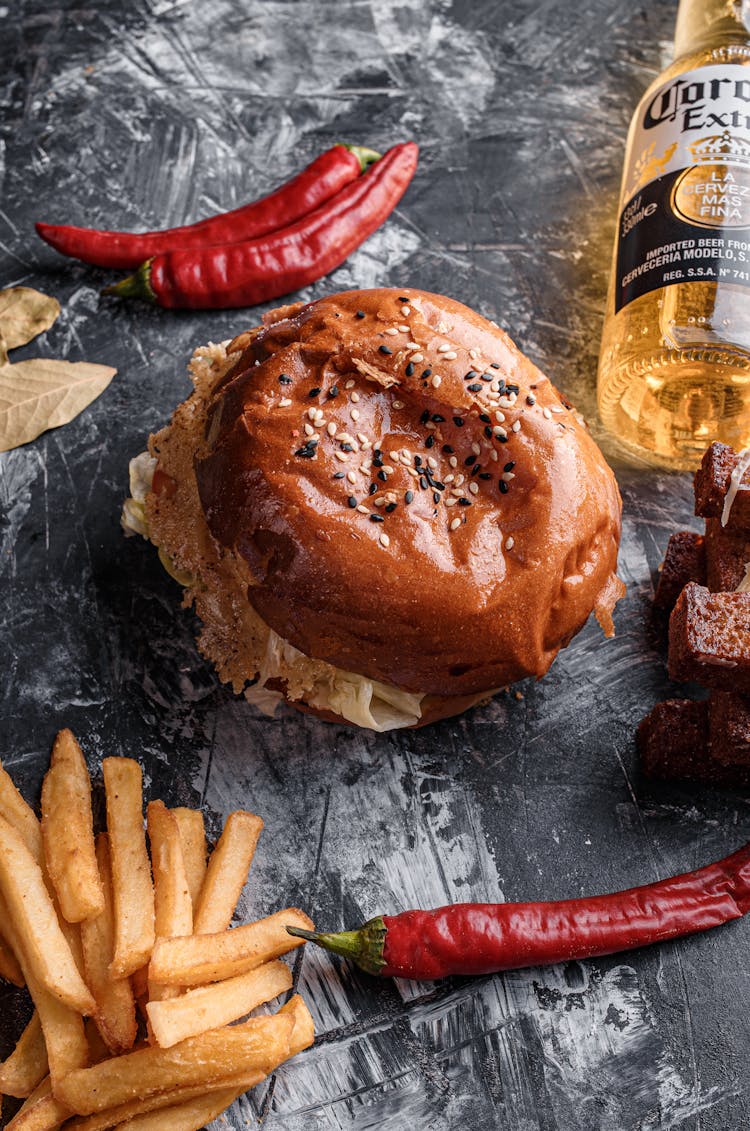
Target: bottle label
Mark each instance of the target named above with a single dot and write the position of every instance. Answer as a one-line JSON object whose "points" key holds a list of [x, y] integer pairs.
{"points": [[686, 216]]}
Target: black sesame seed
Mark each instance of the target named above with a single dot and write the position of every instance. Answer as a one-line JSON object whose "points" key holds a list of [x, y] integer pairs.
{"points": [[384, 349], [484, 418], [352, 501], [314, 392], [438, 485], [410, 369], [503, 487], [425, 416], [382, 476], [510, 465], [378, 453], [470, 375], [437, 418], [347, 448], [458, 421], [474, 388], [333, 391], [426, 373], [373, 488], [487, 377], [530, 400], [488, 432], [417, 461], [377, 462], [476, 469], [502, 439], [500, 385], [360, 314], [469, 460], [429, 441], [464, 502], [391, 508], [485, 475], [376, 518], [403, 298], [494, 365], [423, 482], [306, 453], [284, 379], [339, 475], [512, 389], [447, 449], [409, 497], [436, 496]]}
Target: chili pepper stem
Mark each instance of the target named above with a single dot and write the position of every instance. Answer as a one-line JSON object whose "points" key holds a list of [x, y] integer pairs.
{"points": [[365, 156], [363, 946], [137, 285]]}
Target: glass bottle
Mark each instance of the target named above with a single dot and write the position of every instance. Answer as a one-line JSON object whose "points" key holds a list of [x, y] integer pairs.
{"points": [[674, 369]]}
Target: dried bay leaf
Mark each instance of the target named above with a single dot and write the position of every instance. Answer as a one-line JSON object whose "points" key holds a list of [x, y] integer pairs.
{"points": [[24, 313], [43, 393]]}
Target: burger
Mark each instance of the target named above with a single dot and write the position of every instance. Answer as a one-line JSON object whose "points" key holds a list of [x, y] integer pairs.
{"points": [[381, 511]]}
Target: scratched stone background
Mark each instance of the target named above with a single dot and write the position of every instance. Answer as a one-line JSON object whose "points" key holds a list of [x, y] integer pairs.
{"points": [[155, 111]]}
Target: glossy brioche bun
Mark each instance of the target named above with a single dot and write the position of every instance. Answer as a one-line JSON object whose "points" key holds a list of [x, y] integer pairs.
{"points": [[412, 499]]}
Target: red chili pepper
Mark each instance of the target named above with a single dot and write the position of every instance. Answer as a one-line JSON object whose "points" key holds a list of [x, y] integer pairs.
{"points": [[481, 938], [321, 180], [244, 274]]}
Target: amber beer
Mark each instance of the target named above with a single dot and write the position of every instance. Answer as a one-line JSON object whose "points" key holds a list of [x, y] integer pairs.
{"points": [[674, 371]]}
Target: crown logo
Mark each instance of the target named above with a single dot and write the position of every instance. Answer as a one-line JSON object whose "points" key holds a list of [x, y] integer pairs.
{"points": [[724, 147]]}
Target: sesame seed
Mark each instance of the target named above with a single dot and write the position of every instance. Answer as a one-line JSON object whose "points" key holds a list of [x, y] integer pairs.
{"points": [[398, 404], [436, 380], [391, 508], [476, 449], [355, 415], [384, 540], [309, 430], [352, 501], [351, 477], [413, 345], [468, 462], [436, 496], [557, 408], [404, 329], [474, 488], [457, 491], [450, 355], [450, 501], [499, 416], [284, 402], [432, 461], [409, 370], [284, 379], [406, 311], [453, 461], [531, 400], [409, 497], [508, 475], [455, 523], [331, 429], [382, 476], [426, 373], [362, 509], [503, 487], [473, 354], [342, 456], [516, 427], [416, 357], [376, 518], [509, 543], [423, 482], [474, 388], [338, 475], [442, 327], [458, 421], [333, 392], [380, 501], [464, 503], [392, 331], [355, 398], [494, 455], [485, 475], [362, 439], [429, 442], [350, 384], [460, 479], [499, 432], [494, 365], [372, 489], [443, 347], [360, 314], [314, 392], [470, 375], [406, 454], [385, 350]]}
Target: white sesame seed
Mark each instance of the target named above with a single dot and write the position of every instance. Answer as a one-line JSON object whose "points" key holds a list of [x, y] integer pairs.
{"points": [[395, 456], [473, 354], [355, 415], [546, 414], [516, 427], [494, 386], [508, 475], [392, 331], [460, 479], [431, 462], [363, 439], [349, 385], [499, 417], [413, 345], [362, 509], [493, 454], [506, 402], [351, 477], [557, 408], [406, 311], [312, 413], [474, 488], [449, 501], [476, 449], [284, 402], [331, 429], [455, 523], [509, 543], [309, 430], [384, 540], [442, 327], [387, 469], [436, 381], [457, 491], [417, 357], [380, 501], [453, 461], [449, 478], [404, 329], [343, 456], [355, 398], [406, 454], [443, 347], [431, 426], [450, 355], [364, 468], [319, 418], [398, 404], [499, 432], [413, 472]]}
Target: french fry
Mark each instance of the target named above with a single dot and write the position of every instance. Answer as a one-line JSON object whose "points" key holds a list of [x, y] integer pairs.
{"points": [[200, 959], [173, 903], [27, 1065], [189, 1115], [41, 1112], [227, 873], [194, 849], [131, 871], [20, 815], [211, 1007], [30, 907], [115, 1005], [226, 1089], [9, 968], [255, 1045], [68, 832]]}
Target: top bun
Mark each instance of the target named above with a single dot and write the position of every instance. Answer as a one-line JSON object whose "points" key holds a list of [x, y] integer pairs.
{"points": [[410, 496]]}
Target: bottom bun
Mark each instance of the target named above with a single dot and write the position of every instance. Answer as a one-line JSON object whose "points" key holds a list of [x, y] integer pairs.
{"points": [[434, 707]]}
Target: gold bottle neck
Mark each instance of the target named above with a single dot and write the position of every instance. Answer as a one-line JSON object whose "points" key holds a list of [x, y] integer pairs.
{"points": [[706, 24]]}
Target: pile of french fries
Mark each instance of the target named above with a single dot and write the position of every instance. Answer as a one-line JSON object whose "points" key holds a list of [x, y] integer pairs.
{"points": [[133, 971]]}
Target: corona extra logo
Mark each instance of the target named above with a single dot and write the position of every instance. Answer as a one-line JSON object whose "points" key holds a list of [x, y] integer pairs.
{"points": [[724, 146]]}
